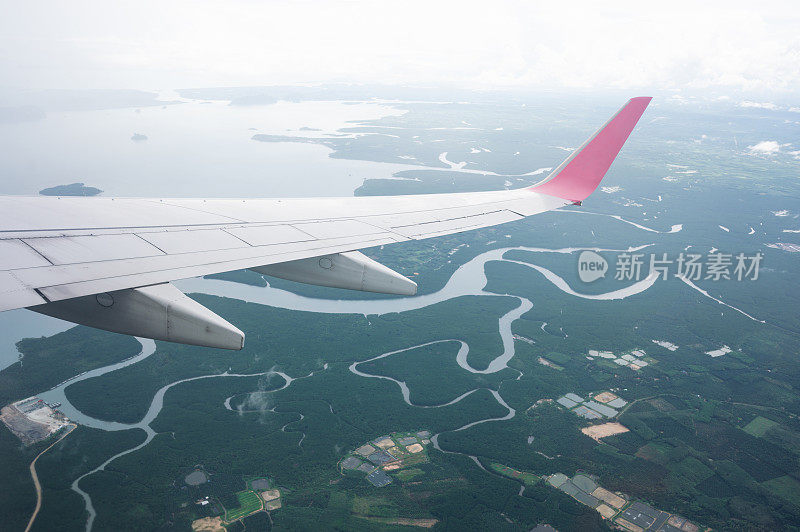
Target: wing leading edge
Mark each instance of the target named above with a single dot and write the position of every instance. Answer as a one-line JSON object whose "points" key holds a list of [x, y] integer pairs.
{"points": [[55, 253]]}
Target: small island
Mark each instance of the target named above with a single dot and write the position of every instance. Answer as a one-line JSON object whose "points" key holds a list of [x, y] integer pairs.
{"points": [[138, 137], [73, 189]]}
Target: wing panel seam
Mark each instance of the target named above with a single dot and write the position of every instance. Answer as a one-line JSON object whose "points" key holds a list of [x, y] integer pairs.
{"points": [[35, 251]]}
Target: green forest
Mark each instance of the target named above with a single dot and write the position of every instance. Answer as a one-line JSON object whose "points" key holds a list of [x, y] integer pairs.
{"points": [[716, 440]]}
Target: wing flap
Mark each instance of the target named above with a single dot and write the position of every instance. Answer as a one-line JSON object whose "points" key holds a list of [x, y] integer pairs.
{"points": [[15, 294], [456, 225], [265, 235], [17, 254], [51, 213], [81, 249], [191, 241], [338, 228]]}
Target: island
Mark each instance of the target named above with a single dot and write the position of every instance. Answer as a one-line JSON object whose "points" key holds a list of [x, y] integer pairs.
{"points": [[73, 189]]}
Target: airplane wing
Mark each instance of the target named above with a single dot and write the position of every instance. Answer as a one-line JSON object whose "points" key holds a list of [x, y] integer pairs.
{"points": [[107, 262]]}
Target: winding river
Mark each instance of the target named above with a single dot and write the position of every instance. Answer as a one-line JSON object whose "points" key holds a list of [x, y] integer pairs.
{"points": [[148, 348], [469, 279]]}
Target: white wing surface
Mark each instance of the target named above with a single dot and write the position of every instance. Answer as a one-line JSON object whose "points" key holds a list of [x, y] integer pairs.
{"points": [[78, 258]]}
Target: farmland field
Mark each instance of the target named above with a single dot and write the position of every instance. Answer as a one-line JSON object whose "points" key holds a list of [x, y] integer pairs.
{"points": [[248, 503], [529, 479], [786, 487], [759, 426], [408, 474]]}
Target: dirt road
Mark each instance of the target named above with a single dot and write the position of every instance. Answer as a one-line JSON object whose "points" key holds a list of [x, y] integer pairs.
{"points": [[35, 477]]}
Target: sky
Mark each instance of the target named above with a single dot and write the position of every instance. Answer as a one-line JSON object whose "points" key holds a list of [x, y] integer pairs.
{"points": [[744, 47]]}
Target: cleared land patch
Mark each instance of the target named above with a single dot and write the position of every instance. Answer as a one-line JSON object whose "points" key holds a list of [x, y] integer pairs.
{"points": [[208, 524], [32, 420], [544, 362], [759, 426], [195, 478], [402, 521], [598, 432], [529, 479]]}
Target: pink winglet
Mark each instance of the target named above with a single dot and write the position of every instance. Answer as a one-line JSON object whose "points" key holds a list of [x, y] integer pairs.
{"points": [[579, 175]]}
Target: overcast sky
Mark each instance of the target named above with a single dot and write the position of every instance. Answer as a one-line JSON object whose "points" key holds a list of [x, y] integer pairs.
{"points": [[723, 46]]}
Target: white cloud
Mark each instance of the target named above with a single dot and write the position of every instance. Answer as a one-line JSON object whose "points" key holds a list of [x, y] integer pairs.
{"points": [[627, 44], [766, 147], [759, 105]]}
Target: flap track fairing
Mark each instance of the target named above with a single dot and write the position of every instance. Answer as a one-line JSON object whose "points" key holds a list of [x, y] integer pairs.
{"points": [[160, 312], [351, 270]]}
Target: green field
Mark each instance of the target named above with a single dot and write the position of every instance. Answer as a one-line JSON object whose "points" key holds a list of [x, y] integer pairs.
{"points": [[249, 482], [248, 503], [785, 487], [690, 470], [529, 479], [759, 426], [374, 506], [407, 474]]}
